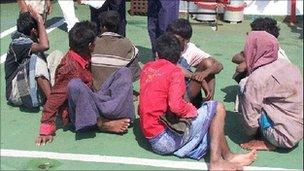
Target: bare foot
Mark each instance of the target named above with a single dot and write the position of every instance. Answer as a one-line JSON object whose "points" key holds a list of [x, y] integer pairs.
{"points": [[224, 165], [113, 126], [258, 145], [242, 159]]}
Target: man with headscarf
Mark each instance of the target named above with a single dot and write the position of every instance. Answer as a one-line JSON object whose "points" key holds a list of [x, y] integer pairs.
{"points": [[271, 103]]}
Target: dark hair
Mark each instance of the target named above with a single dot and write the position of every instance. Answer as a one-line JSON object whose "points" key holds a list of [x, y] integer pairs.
{"points": [[168, 47], [181, 27], [109, 20], [266, 24], [25, 23], [81, 35]]}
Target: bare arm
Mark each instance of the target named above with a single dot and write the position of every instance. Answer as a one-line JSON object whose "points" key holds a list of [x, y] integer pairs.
{"points": [[186, 73], [22, 5], [49, 6], [177, 103], [43, 43], [208, 66]]}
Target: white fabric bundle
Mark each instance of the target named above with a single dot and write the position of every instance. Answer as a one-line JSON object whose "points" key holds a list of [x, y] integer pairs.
{"points": [[93, 3]]}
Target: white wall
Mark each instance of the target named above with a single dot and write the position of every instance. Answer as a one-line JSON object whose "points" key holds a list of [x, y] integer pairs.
{"points": [[272, 7], [263, 7]]}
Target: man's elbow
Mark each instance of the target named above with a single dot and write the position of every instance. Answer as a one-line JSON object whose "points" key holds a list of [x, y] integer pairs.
{"points": [[175, 108], [45, 47], [221, 67]]}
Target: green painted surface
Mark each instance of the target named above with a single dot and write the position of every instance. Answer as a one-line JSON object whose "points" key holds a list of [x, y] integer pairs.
{"points": [[19, 128]]}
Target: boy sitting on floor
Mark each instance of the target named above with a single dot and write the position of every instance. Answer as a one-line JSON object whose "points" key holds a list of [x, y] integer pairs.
{"points": [[112, 51], [192, 56], [73, 98], [206, 125], [28, 80]]}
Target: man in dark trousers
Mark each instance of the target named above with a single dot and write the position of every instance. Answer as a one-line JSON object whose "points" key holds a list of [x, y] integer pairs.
{"points": [[115, 5], [160, 14]]}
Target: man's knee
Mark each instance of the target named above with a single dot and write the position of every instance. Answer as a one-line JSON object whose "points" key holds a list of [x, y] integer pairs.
{"points": [[220, 109], [75, 86], [206, 63], [126, 73]]}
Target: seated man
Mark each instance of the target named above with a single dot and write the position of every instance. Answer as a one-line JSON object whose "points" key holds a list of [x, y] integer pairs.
{"points": [[162, 90], [271, 103], [111, 108], [192, 56], [112, 51], [25, 65], [240, 76], [260, 24]]}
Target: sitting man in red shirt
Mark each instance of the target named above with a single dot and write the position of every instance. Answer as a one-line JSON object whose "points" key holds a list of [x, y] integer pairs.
{"points": [[205, 126], [72, 96]]}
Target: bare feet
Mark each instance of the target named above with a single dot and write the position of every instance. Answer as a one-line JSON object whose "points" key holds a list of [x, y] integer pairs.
{"points": [[258, 145], [242, 159], [224, 165], [113, 126]]}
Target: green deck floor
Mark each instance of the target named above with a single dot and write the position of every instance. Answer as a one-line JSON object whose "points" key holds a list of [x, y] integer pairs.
{"points": [[19, 128]]}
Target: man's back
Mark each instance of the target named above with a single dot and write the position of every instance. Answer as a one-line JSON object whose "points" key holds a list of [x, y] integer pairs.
{"points": [[280, 85], [162, 87], [111, 52], [19, 50]]}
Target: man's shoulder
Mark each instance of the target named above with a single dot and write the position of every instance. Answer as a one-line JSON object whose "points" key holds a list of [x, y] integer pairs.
{"points": [[115, 36], [67, 65], [192, 50], [20, 39], [262, 75]]}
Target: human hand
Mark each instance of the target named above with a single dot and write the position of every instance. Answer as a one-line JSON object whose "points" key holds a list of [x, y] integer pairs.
{"points": [[49, 7], [199, 76], [35, 14], [23, 9], [43, 139]]}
